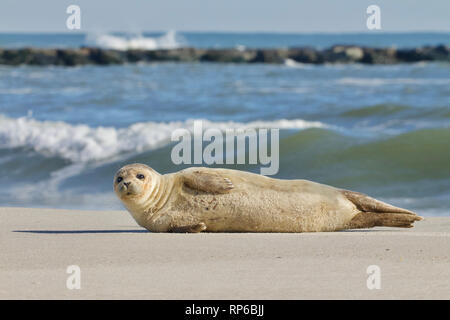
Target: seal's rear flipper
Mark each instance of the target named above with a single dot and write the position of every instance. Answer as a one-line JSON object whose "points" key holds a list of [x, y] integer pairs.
{"points": [[375, 213], [367, 204], [386, 219]]}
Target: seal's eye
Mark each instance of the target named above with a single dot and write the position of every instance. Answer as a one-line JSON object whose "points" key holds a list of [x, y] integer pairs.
{"points": [[119, 179], [140, 176]]}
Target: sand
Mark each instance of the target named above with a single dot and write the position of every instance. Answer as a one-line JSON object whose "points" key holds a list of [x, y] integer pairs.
{"points": [[120, 260]]}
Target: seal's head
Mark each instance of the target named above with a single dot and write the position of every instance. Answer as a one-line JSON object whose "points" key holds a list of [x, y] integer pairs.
{"points": [[135, 182]]}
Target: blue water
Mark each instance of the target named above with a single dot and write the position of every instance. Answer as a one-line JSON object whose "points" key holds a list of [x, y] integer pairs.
{"points": [[382, 130]]}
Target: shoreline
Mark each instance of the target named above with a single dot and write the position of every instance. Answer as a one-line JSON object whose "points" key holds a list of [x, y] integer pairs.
{"points": [[338, 54], [120, 260]]}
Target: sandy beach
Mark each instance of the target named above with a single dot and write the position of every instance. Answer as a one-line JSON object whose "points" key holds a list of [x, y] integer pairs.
{"points": [[120, 260]]}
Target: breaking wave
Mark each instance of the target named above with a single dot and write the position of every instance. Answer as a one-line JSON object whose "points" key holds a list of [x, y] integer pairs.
{"points": [[81, 143], [169, 40]]}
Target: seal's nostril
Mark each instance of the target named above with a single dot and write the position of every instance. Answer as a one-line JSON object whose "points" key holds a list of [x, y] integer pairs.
{"points": [[127, 183]]}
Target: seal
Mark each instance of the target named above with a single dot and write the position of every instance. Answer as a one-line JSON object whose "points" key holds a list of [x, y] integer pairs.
{"points": [[221, 200]]}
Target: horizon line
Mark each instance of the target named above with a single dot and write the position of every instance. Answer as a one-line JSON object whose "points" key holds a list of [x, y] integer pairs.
{"points": [[366, 32]]}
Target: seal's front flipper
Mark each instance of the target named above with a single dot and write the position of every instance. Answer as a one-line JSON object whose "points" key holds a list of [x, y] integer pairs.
{"points": [[190, 229], [206, 180]]}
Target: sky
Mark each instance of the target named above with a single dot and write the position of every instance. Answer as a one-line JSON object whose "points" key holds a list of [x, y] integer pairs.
{"points": [[224, 15]]}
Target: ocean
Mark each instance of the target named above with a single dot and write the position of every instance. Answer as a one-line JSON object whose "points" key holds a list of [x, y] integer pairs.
{"points": [[379, 129]]}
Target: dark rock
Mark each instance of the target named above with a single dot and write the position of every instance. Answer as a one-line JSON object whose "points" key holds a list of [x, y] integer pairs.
{"points": [[437, 53], [271, 56], [379, 56], [343, 54], [228, 55], [105, 57], [16, 56], [178, 55], [71, 57], [42, 57], [136, 55], [306, 55], [335, 54], [411, 55]]}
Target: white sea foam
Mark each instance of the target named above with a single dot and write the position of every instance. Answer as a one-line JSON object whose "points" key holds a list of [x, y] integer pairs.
{"points": [[169, 40], [294, 64], [81, 143]]}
